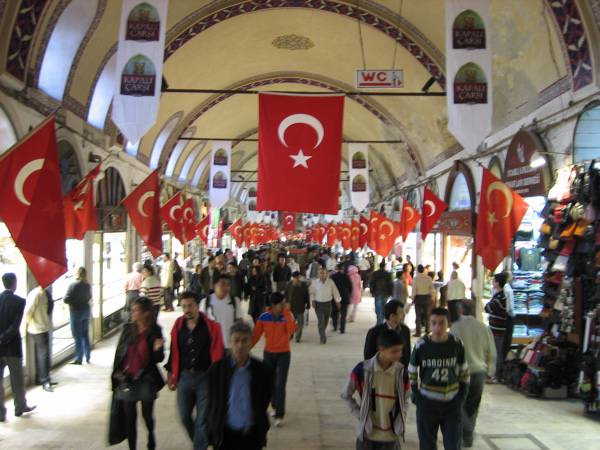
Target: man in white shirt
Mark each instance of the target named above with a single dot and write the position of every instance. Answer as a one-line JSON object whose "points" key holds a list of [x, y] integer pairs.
{"points": [[294, 266], [480, 351], [38, 326], [166, 281], [324, 294], [455, 294], [225, 309], [331, 262]]}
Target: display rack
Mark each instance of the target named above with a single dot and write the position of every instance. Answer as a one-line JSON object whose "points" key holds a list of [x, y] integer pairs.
{"points": [[528, 302]]}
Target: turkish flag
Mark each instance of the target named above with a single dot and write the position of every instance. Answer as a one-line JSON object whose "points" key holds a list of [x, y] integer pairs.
{"points": [[331, 234], [235, 230], [432, 210], [188, 219], [373, 238], [274, 234], [202, 229], [79, 207], [247, 234], [31, 205], [346, 236], [172, 214], [363, 238], [299, 152], [501, 211], [289, 222], [387, 233], [408, 221], [144, 211], [355, 235]]}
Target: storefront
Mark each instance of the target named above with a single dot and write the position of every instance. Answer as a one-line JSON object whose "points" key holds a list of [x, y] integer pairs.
{"points": [[457, 225]]}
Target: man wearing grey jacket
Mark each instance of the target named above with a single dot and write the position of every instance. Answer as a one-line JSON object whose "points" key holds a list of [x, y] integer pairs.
{"points": [[480, 352], [379, 383]]}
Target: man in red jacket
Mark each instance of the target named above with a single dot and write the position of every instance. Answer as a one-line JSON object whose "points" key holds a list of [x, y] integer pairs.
{"points": [[196, 343]]}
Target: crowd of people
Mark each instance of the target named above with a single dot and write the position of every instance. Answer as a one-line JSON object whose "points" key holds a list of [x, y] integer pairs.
{"points": [[223, 394]]}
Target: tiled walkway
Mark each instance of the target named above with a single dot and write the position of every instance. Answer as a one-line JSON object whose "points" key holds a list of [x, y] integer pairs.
{"points": [[75, 415]]}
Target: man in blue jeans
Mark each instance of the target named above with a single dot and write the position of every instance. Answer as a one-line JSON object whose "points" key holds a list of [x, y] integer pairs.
{"points": [[382, 288], [196, 343]]}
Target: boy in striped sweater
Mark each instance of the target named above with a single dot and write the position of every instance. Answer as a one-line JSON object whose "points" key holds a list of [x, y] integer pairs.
{"points": [[439, 377]]}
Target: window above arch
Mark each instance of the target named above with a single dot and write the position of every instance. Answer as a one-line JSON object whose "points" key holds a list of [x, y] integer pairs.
{"points": [[162, 137], [460, 197], [103, 94], [8, 136], [586, 144], [64, 42]]}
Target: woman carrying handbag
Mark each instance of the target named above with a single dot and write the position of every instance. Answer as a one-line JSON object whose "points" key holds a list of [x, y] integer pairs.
{"points": [[136, 377]]}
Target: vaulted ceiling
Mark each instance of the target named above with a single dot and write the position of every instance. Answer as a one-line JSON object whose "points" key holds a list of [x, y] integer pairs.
{"points": [[313, 45]]}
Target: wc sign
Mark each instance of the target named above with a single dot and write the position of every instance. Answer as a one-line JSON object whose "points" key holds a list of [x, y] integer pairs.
{"points": [[379, 79]]}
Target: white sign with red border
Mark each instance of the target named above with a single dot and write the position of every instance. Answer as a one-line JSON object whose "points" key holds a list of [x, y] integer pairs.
{"points": [[379, 79]]}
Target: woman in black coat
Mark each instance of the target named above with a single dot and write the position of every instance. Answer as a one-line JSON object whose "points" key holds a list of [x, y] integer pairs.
{"points": [[136, 377]]}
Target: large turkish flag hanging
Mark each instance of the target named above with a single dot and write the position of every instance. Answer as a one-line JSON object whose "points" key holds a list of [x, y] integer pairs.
{"points": [[432, 210], [235, 230], [332, 234], [289, 222], [144, 211], [408, 221], [171, 214], [387, 234], [355, 235], [345, 235], [372, 238], [188, 219], [299, 153], [363, 238], [202, 229], [500, 213], [79, 207], [31, 205]]}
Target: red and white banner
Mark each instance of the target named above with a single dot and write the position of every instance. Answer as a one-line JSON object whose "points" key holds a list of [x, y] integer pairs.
{"points": [[469, 71], [433, 208], [140, 55], [235, 230], [171, 213], [188, 219], [299, 153], [80, 209], [409, 219], [144, 211], [32, 202], [203, 228], [358, 171], [220, 174]]}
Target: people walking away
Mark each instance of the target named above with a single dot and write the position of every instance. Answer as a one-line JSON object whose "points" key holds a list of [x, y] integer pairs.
{"points": [[278, 326], [135, 376], [167, 282], [151, 288], [344, 287], [282, 274], [196, 343], [423, 292], [394, 320], [38, 326], [356, 296], [240, 388], [225, 308], [256, 291], [298, 297], [11, 351], [498, 320], [456, 295], [379, 384], [207, 277], [195, 282], [364, 267], [177, 276], [133, 283], [400, 287], [322, 292], [439, 376], [78, 297], [480, 351], [382, 288]]}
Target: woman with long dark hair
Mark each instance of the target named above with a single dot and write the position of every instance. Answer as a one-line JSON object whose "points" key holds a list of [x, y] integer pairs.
{"points": [[256, 289], [135, 377]]}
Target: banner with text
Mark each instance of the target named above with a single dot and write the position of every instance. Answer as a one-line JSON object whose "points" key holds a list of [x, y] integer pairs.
{"points": [[469, 71], [358, 171], [220, 173], [139, 66]]}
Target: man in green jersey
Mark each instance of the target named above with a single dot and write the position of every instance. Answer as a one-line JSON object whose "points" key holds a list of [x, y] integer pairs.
{"points": [[439, 377]]}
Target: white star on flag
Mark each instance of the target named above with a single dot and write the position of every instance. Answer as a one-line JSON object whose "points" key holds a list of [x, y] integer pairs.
{"points": [[300, 159]]}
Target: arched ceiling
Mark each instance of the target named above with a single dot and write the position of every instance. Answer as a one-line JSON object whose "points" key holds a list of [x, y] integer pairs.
{"points": [[540, 49]]}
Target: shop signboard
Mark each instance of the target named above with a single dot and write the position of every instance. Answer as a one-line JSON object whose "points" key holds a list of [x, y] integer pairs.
{"points": [[459, 223], [518, 174]]}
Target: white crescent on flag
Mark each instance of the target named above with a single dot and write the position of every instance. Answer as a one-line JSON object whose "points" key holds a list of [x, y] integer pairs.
{"points": [[172, 211], [142, 200], [21, 178], [185, 213], [409, 209], [431, 206], [306, 119], [499, 186], [386, 223]]}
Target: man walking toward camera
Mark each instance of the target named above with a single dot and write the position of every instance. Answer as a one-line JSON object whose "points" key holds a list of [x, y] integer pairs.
{"points": [[324, 294]]}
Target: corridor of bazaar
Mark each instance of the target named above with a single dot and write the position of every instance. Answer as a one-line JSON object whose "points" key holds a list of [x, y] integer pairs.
{"points": [[294, 224]]}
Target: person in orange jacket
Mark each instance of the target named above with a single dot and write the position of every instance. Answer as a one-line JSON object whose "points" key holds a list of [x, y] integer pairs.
{"points": [[278, 326]]}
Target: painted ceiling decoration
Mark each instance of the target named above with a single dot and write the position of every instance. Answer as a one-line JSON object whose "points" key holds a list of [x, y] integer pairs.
{"points": [[293, 42]]}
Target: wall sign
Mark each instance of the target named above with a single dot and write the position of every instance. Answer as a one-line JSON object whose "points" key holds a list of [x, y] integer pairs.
{"points": [[518, 175], [381, 79]]}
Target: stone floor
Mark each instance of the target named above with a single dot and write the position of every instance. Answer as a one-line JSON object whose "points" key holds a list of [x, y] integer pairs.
{"points": [[75, 415]]}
